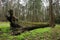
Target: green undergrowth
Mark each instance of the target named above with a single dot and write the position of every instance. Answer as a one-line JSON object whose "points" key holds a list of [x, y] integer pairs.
{"points": [[37, 34]]}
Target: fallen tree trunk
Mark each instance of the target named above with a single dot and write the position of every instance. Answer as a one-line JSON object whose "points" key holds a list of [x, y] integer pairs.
{"points": [[18, 29], [36, 26], [29, 28]]}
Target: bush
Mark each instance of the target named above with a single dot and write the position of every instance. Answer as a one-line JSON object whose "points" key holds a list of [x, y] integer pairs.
{"points": [[57, 20]]}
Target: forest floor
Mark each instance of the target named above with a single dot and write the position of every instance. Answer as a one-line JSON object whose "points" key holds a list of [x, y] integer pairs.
{"points": [[37, 34]]}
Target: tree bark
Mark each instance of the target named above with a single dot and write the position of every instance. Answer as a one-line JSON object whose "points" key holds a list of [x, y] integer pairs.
{"points": [[52, 16]]}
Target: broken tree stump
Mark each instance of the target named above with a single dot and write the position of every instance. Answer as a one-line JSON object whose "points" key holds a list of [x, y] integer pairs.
{"points": [[18, 29]]}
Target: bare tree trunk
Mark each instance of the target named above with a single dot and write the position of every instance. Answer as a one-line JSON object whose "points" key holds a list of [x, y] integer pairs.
{"points": [[57, 6], [52, 19], [52, 16]]}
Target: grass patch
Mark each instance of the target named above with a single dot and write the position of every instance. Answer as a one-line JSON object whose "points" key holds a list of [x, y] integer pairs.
{"points": [[37, 34], [4, 24]]}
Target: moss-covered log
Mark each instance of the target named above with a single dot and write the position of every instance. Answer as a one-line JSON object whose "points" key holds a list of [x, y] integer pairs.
{"points": [[18, 29], [29, 28], [36, 26]]}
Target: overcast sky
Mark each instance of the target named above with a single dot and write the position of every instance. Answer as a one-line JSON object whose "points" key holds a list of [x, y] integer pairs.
{"points": [[23, 2]]}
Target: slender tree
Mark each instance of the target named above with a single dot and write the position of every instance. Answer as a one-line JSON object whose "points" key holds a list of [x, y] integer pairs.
{"points": [[52, 17]]}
